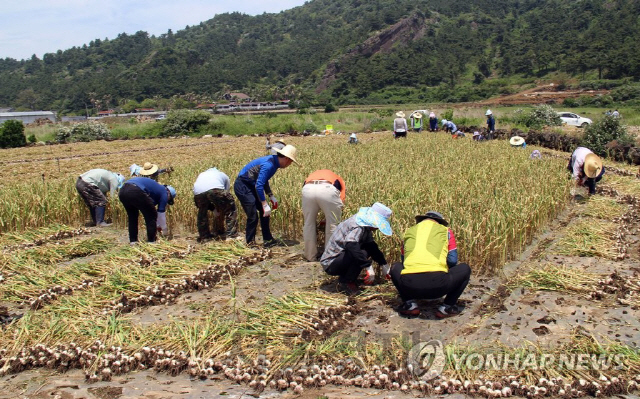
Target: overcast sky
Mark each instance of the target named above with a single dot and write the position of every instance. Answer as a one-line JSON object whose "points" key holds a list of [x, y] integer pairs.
{"points": [[37, 27]]}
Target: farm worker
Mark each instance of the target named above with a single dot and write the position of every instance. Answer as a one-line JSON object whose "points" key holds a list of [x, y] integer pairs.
{"points": [[616, 114], [351, 247], [277, 145], [322, 190], [250, 188], [353, 139], [586, 168], [148, 170], [416, 122], [517, 141], [430, 269], [93, 187], [477, 136], [142, 194], [399, 125], [491, 124], [211, 193], [449, 126], [433, 122]]}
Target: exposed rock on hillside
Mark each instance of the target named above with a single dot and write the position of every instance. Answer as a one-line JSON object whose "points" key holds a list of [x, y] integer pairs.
{"points": [[405, 31]]}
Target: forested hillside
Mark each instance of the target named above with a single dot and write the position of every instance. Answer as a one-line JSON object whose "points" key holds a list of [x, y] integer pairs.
{"points": [[345, 51]]}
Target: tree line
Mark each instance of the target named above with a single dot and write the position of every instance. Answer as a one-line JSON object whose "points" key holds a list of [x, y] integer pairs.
{"points": [[460, 51]]}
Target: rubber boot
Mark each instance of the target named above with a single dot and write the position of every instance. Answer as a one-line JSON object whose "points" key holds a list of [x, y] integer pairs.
{"points": [[100, 217], [92, 210]]}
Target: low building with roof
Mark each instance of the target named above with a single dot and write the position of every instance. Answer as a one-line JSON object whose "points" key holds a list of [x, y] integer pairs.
{"points": [[28, 116]]}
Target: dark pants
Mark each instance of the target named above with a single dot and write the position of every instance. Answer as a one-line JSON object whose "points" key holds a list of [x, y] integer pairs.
{"points": [[399, 134], [431, 285], [134, 201], [221, 201], [590, 183], [347, 267], [248, 196], [433, 125]]}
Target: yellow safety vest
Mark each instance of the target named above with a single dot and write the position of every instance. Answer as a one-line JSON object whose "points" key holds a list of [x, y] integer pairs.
{"points": [[426, 247]]}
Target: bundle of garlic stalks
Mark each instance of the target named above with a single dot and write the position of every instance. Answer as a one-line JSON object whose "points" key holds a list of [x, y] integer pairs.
{"points": [[624, 290], [119, 266], [198, 352], [31, 238], [83, 289]]}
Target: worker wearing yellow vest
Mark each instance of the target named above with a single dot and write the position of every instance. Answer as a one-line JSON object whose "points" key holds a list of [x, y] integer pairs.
{"points": [[431, 269], [416, 122]]}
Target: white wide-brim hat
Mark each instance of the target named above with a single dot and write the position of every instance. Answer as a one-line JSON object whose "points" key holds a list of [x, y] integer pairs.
{"points": [[516, 141], [288, 151], [400, 114]]}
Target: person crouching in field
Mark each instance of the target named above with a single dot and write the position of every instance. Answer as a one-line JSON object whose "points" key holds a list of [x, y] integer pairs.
{"points": [[449, 126], [433, 122], [399, 125], [586, 168], [322, 190], [93, 187], [211, 193], [142, 194], [352, 248], [250, 187], [430, 269]]}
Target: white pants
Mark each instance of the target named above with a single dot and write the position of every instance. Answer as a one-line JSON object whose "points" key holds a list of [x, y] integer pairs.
{"points": [[316, 197]]}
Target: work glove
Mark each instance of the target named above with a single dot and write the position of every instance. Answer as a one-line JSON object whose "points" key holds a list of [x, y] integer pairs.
{"points": [[370, 275], [161, 222], [385, 271], [274, 202], [266, 210]]}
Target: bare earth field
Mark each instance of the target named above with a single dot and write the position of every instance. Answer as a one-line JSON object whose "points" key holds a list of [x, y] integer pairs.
{"points": [[553, 297]]}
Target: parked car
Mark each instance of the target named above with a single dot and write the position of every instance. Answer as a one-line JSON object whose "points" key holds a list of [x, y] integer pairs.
{"points": [[572, 119], [161, 117]]}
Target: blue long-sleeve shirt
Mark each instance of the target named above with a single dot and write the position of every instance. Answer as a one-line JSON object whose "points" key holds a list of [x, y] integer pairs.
{"points": [[259, 171], [491, 123], [155, 190]]}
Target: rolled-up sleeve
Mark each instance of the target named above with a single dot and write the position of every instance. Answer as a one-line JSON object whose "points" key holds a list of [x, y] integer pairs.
{"points": [[452, 255]]}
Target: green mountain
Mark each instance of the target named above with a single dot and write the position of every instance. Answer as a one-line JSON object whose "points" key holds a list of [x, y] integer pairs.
{"points": [[344, 51]]}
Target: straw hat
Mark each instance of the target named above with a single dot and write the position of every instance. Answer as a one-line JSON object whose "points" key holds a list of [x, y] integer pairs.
{"points": [[488, 112], [368, 217], [592, 165], [148, 169], [400, 114], [516, 141], [288, 151], [432, 215], [417, 115]]}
